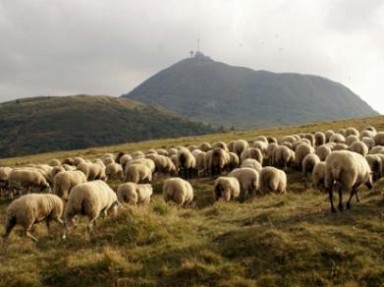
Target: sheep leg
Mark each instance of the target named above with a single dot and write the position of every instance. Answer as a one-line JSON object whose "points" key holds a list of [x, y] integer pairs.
{"points": [[340, 206], [48, 224], [28, 234], [353, 192], [11, 222], [330, 192]]}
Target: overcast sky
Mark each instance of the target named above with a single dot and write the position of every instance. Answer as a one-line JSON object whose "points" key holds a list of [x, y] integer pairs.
{"points": [[56, 47]]}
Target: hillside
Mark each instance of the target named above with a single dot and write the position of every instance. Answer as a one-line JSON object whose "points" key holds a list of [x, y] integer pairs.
{"points": [[36, 125], [224, 95], [272, 240]]}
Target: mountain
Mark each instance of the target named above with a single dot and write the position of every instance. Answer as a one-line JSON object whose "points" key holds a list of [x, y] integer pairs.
{"points": [[35, 125], [223, 95]]}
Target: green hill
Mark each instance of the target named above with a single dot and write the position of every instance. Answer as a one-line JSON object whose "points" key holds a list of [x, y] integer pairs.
{"points": [[35, 125], [224, 95]]}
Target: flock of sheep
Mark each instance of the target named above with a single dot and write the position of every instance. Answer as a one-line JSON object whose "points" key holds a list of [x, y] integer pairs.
{"points": [[62, 190]]}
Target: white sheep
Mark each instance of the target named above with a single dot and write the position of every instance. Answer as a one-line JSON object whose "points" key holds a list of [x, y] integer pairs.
{"points": [[137, 173], [318, 175], [234, 161], [4, 178], [350, 170], [319, 138], [54, 162], [252, 163], [178, 190], [308, 164], [359, 147], [239, 146], [283, 157], [114, 170], [134, 194], [248, 179], [226, 188], [272, 179], [30, 209], [351, 139], [370, 142], [65, 181], [31, 179], [352, 131], [93, 171], [376, 164], [379, 138], [205, 146], [217, 160], [90, 199], [252, 152], [328, 135], [220, 144], [323, 151], [301, 151]]}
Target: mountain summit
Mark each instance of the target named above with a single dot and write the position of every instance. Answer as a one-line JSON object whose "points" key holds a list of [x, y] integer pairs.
{"points": [[223, 95]]}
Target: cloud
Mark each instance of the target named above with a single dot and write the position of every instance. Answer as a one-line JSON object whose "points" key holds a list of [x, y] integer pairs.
{"points": [[102, 47]]}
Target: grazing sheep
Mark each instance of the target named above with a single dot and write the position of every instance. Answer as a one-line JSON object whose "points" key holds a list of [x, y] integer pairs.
{"points": [[272, 179], [252, 163], [370, 142], [205, 146], [376, 164], [134, 194], [284, 157], [187, 163], [200, 163], [161, 151], [146, 161], [30, 209], [319, 138], [137, 154], [65, 181], [261, 139], [339, 146], [270, 153], [337, 138], [226, 188], [328, 135], [351, 139], [138, 173], [379, 138], [234, 161], [220, 144], [178, 190], [377, 149], [163, 164], [231, 146], [56, 170], [318, 175], [350, 170], [27, 179], [4, 179], [367, 133], [92, 171], [124, 159], [301, 151], [308, 164], [248, 179], [54, 162], [352, 131], [90, 199], [252, 152], [261, 145], [323, 151], [217, 160], [114, 171], [271, 139], [77, 160], [311, 138], [239, 146], [359, 147], [370, 128]]}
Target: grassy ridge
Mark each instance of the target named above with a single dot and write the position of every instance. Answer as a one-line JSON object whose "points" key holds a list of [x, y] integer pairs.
{"points": [[274, 240], [30, 126]]}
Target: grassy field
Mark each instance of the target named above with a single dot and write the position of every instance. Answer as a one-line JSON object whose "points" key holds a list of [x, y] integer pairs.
{"points": [[274, 240]]}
